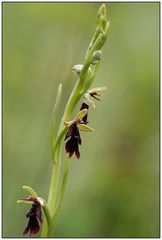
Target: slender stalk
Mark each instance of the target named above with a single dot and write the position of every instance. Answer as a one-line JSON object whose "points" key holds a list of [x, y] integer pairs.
{"points": [[82, 85], [63, 187], [53, 192], [47, 214]]}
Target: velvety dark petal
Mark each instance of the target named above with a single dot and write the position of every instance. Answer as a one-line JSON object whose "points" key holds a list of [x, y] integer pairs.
{"points": [[73, 132], [84, 119], [69, 133], [69, 146], [34, 214], [77, 135], [39, 213], [84, 106], [26, 230], [77, 153], [33, 225], [72, 146], [32, 211]]}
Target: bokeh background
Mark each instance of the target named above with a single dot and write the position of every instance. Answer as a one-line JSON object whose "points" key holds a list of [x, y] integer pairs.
{"points": [[113, 190]]}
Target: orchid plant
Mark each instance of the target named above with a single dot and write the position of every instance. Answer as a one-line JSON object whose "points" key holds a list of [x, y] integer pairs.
{"points": [[69, 131]]}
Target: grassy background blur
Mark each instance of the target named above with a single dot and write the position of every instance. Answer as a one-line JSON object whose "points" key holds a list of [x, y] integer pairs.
{"points": [[113, 190]]}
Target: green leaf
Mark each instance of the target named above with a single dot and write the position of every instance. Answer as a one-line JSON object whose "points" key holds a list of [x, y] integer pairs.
{"points": [[61, 195], [85, 128], [31, 191], [54, 118], [81, 114]]}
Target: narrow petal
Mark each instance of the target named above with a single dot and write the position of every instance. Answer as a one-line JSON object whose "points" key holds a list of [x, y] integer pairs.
{"points": [[33, 226], [39, 213], [94, 94], [25, 201], [31, 191], [77, 153], [26, 230]]}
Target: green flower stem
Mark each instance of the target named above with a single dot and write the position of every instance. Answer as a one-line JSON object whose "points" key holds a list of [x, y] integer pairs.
{"points": [[47, 214], [82, 85], [92, 77], [53, 193], [78, 91], [63, 187]]}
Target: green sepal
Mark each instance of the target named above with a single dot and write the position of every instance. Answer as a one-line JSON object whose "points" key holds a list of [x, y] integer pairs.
{"points": [[81, 114], [31, 191], [88, 100], [98, 89], [85, 128]]}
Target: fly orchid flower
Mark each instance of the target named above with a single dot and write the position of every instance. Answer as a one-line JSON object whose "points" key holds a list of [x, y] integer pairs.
{"points": [[35, 212], [73, 134], [92, 93]]}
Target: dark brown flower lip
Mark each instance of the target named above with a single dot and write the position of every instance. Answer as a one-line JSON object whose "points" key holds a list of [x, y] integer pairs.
{"points": [[74, 140], [73, 131], [35, 216], [33, 226], [72, 146]]}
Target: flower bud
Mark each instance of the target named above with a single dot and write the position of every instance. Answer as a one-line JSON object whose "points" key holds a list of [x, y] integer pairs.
{"points": [[77, 69], [96, 57], [101, 12]]}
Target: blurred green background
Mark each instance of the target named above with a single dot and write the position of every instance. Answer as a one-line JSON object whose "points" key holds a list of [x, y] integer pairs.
{"points": [[113, 190]]}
